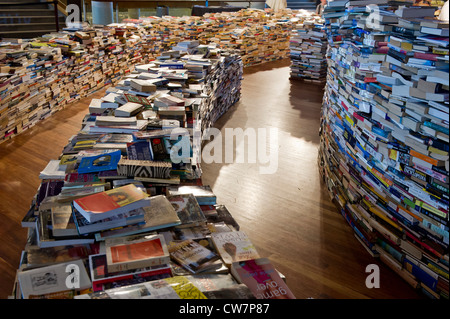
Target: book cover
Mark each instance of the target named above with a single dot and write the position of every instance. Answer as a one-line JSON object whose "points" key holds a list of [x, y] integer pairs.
{"points": [[239, 291], [98, 163], [188, 210], [260, 276], [111, 202], [203, 194], [193, 256], [178, 287], [159, 214], [133, 217], [218, 214], [46, 239], [234, 246], [133, 252], [101, 276], [139, 150], [52, 279], [62, 220]]}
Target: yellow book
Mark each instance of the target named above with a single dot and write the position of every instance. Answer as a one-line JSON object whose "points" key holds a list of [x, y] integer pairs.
{"points": [[184, 288]]}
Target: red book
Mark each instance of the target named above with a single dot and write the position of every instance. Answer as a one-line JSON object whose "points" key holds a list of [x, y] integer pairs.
{"points": [[426, 56], [110, 203], [135, 252]]}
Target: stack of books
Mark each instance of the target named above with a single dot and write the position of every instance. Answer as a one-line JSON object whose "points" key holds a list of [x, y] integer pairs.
{"points": [[384, 135], [308, 46], [259, 35], [40, 76], [125, 216]]}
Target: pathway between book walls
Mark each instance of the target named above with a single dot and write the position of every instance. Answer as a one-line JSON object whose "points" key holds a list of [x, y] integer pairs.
{"points": [[288, 214]]}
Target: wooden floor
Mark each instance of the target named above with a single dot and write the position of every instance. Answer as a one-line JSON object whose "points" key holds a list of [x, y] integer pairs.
{"points": [[288, 215]]}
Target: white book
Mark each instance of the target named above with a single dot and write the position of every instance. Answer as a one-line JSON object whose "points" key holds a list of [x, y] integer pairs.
{"points": [[54, 278], [128, 109], [53, 170]]}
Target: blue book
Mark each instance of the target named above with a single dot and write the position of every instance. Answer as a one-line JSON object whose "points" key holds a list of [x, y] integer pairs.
{"points": [[97, 163], [139, 150]]}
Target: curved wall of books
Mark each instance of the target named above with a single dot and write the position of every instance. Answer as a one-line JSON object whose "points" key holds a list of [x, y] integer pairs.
{"points": [[384, 135]]}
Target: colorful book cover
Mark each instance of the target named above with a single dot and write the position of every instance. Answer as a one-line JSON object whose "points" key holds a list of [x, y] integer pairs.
{"points": [[262, 278], [234, 246], [136, 251], [98, 163], [184, 288], [139, 150], [109, 200], [133, 252], [193, 256], [188, 210]]}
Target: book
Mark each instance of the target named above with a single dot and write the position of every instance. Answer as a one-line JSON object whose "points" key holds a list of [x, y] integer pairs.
{"points": [[132, 217], [53, 170], [261, 277], [63, 223], [103, 279], [219, 213], [35, 257], [168, 100], [98, 106], [178, 287], [54, 278], [142, 85], [139, 150], [415, 12], [157, 215], [234, 246], [188, 210], [239, 291], [203, 194], [128, 109], [115, 138], [110, 203], [136, 251], [103, 162], [194, 257], [144, 168], [46, 239], [109, 120]]}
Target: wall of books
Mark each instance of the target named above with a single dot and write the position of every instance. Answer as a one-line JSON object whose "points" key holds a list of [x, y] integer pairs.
{"points": [[42, 75], [384, 134]]}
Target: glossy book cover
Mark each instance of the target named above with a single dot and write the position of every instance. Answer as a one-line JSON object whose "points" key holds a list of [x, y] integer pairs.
{"points": [[111, 199]]}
